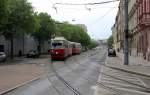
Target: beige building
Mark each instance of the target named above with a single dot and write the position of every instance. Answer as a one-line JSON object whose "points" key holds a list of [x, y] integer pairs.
{"points": [[118, 28], [139, 27], [134, 36], [114, 34]]}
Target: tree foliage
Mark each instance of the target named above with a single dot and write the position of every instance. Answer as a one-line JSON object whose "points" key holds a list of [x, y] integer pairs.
{"points": [[73, 33], [3, 13], [93, 44], [45, 28], [110, 41], [20, 20]]}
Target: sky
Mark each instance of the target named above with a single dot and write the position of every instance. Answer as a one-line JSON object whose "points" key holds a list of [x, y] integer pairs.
{"points": [[98, 20]]}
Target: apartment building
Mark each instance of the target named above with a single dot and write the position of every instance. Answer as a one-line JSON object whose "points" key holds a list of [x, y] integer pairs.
{"points": [[134, 34], [143, 25], [139, 27], [118, 28]]}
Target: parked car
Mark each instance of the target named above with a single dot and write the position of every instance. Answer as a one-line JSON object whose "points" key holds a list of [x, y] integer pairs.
{"points": [[2, 56], [111, 52], [33, 54]]}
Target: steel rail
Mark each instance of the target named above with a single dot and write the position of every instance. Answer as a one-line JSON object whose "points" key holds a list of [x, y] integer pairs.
{"points": [[143, 88], [65, 82]]}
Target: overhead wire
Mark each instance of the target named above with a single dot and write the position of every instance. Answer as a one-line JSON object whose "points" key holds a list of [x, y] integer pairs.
{"points": [[84, 4], [87, 3], [109, 11]]}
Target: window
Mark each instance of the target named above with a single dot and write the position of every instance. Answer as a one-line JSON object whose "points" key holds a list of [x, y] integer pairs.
{"points": [[56, 44]]}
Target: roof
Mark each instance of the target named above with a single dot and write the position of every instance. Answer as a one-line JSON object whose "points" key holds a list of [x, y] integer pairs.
{"points": [[59, 38]]}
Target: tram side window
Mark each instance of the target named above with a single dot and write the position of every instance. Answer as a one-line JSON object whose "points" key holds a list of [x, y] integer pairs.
{"points": [[66, 45], [73, 46]]}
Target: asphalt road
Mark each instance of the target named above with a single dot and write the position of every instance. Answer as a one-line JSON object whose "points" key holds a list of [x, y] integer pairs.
{"points": [[78, 75], [80, 72]]}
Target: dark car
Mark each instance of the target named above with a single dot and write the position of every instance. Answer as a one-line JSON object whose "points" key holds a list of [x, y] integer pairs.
{"points": [[111, 52], [33, 54], [2, 56]]}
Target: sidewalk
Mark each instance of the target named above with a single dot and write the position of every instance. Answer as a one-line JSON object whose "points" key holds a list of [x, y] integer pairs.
{"points": [[136, 65], [20, 73]]}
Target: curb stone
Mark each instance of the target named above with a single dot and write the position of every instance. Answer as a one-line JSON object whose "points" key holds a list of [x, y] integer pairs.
{"points": [[124, 70], [132, 72]]}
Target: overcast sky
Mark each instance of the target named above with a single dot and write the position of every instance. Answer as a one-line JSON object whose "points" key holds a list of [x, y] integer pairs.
{"points": [[98, 21]]}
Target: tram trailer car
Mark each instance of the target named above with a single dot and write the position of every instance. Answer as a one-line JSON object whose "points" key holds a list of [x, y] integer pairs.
{"points": [[76, 48], [73, 48], [59, 48], [70, 48]]}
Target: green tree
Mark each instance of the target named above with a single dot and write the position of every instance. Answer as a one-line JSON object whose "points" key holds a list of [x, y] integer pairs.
{"points": [[73, 33], [64, 29], [93, 44], [110, 41], [45, 29], [84, 38], [3, 13], [20, 20]]}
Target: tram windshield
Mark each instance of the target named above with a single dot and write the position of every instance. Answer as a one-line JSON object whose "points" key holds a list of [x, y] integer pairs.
{"points": [[57, 45]]}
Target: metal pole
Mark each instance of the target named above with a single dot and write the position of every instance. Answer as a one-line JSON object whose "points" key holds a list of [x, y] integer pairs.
{"points": [[126, 36]]}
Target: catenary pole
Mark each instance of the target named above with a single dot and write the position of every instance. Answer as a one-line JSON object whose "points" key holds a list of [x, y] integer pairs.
{"points": [[126, 35]]}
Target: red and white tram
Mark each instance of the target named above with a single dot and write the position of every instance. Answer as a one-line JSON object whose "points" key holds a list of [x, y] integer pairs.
{"points": [[62, 48], [59, 48]]}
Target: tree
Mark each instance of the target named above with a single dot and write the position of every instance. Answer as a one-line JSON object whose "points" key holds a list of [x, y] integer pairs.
{"points": [[93, 44], [73, 33], [20, 20], [3, 13], [84, 37], [110, 41], [64, 29], [45, 29]]}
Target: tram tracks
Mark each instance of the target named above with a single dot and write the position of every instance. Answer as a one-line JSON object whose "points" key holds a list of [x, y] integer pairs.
{"points": [[138, 87], [65, 82], [56, 74]]}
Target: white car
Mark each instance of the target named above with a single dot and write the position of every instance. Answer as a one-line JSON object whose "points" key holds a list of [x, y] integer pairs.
{"points": [[2, 56]]}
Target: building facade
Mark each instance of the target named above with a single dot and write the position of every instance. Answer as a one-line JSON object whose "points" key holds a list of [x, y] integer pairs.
{"points": [[22, 44], [139, 27], [118, 28], [143, 20]]}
